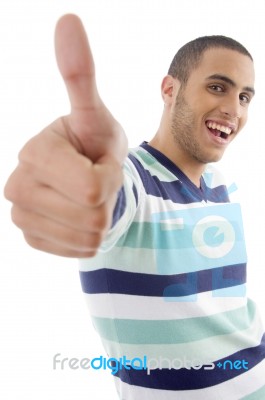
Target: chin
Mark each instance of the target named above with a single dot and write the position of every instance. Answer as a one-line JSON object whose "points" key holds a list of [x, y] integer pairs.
{"points": [[210, 158]]}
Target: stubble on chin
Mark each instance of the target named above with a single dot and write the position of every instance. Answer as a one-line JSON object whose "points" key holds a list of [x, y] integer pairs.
{"points": [[183, 128]]}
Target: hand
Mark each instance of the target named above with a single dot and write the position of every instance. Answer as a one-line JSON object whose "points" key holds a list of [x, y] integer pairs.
{"points": [[65, 186]]}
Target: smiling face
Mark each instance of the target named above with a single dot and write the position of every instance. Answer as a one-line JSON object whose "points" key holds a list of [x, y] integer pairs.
{"points": [[212, 108]]}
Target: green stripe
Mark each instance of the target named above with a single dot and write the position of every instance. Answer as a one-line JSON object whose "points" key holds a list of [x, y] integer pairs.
{"points": [[258, 395], [213, 348], [157, 169], [142, 155], [152, 235], [140, 235], [174, 331]]}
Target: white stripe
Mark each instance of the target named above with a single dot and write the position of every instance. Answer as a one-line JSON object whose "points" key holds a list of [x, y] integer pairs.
{"points": [[123, 306], [122, 259], [234, 389], [159, 205]]}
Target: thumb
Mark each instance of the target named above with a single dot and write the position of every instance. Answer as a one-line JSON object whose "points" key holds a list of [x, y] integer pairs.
{"points": [[90, 126], [75, 62]]}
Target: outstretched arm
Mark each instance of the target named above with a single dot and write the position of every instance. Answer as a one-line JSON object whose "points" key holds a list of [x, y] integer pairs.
{"points": [[65, 186]]}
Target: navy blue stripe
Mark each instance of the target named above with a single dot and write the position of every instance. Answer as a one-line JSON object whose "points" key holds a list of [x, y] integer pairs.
{"points": [[218, 194], [175, 191], [135, 194], [185, 379], [182, 190], [119, 207], [115, 281]]}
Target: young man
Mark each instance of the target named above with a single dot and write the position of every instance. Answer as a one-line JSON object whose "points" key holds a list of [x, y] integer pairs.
{"points": [[163, 263]]}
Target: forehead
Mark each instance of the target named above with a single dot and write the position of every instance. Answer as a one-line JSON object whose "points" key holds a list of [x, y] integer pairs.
{"points": [[226, 62]]}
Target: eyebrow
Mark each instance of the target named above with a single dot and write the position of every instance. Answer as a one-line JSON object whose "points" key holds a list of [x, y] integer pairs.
{"points": [[230, 82]]}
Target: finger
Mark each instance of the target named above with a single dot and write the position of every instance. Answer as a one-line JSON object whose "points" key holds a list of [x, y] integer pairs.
{"points": [[68, 172], [49, 247], [47, 203], [75, 62], [35, 226], [90, 126]]}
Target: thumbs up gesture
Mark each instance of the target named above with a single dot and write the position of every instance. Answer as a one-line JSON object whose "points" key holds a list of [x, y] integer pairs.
{"points": [[65, 186]]}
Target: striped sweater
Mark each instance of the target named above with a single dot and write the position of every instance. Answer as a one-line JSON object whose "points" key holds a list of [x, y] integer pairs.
{"points": [[168, 288]]}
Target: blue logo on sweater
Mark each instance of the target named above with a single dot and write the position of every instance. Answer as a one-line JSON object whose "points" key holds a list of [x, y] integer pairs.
{"points": [[200, 239]]}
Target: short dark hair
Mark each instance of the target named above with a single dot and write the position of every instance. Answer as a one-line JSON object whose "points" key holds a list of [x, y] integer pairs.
{"points": [[189, 56]]}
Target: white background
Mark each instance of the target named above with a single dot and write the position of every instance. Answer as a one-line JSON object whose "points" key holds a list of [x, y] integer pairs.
{"points": [[42, 308]]}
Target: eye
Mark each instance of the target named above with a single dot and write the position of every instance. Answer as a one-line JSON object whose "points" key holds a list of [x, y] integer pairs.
{"points": [[244, 98], [216, 88]]}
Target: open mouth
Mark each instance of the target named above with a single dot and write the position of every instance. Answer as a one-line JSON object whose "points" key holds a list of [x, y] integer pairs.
{"points": [[219, 130]]}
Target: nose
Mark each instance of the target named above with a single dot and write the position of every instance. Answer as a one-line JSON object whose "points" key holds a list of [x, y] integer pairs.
{"points": [[231, 107]]}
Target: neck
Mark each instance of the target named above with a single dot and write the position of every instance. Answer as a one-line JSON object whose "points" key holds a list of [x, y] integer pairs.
{"points": [[192, 168]]}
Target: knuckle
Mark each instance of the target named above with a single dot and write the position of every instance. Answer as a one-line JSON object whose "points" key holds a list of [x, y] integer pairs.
{"points": [[93, 189], [11, 191], [49, 247], [93, 194], [86, 254], [27, 154], [90, 241], [30, 152], [99, 219], [17, 188], [34, 242], [20, 195], [39, 152], [17, 217], [8, 192]]}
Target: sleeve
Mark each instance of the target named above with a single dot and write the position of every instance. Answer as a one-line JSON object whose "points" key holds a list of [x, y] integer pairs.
{"points": [[127, 202]]}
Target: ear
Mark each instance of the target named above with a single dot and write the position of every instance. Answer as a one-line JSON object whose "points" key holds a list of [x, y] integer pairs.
{"points": [[169, 89]]}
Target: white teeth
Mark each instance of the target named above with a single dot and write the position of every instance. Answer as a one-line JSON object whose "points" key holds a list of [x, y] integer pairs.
{"points": [[228, 130], [222, 128]]}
